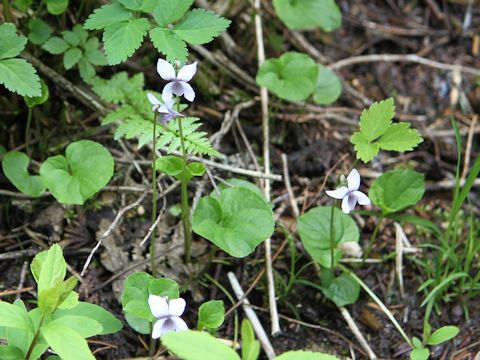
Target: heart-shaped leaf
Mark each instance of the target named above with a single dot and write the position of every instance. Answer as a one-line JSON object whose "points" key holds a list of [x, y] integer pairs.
{"points": [[329, 87], [15, 168], [236, 221], [314, 230], [293, 76], [342, 290], [72, 179]]}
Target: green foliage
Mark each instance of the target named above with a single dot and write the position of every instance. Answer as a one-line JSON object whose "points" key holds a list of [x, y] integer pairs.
{"points": [[137, 288], [329, 87], [79, 50], [86, 169], [442, 335], [420, 354], [305, 355], [56, 7], [396, 190], [38, 100], [16, 75], [211, 315], [124, 32], [378, 132], [250, 345], [314, 230], [173, 166], [61, 328], [237, 221], [135, 118], [38, 31], [342, 290], [293, 76], [15, 168], [308, 14]]}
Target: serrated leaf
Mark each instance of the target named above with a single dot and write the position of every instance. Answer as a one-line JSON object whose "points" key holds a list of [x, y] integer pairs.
{"points": [[169, 44], [81, 33], [71, 38], [39, 31], [93, 54], [19, 76], [107, 15], [375, 120], [71, 58], [400, 137], [365, 150], [146, 6], [308, 14], [86, 69], [55, 45], [122, 39], [11, 44], [201, 26], [169, 11]]}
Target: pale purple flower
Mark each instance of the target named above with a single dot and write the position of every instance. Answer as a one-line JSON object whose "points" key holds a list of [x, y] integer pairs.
{"points": [[350, 194], [165, 108], [168, 314], [178, 83]]}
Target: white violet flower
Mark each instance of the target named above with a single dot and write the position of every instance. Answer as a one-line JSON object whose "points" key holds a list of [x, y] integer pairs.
{"points": [[178, 83], [165, 108], [349, 194], [168, 314]]}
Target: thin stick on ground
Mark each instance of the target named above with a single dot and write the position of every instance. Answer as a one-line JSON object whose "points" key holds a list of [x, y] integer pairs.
{"points": [[110, 229], [356, 331], [252, 316], [288, 186], [266, 156]]}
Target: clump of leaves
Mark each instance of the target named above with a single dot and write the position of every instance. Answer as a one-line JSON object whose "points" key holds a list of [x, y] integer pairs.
{"points": [[125, 24], [135, 119], [377, 131], [78, 49], [17, 75]]}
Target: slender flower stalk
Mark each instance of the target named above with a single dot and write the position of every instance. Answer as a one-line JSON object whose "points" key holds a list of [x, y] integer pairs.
{"points": [[153, 263], [332, 235]]}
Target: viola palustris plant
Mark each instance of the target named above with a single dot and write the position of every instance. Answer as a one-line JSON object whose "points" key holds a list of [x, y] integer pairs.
{"points": [[167, 196]]}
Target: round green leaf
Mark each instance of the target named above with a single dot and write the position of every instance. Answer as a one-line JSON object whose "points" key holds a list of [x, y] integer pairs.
{"points": [[314, 230], [196, 345], [39, 31], [305, 355], [420, 354], [38, 100], [342, 290], [86, 169], [56, 7], [170, 165], [211, 315], [236, 222], [293, 76], [396, 190], [308, 14], [15, 168], [329, 87], [196, 168], [10, 352], [164, 287]]}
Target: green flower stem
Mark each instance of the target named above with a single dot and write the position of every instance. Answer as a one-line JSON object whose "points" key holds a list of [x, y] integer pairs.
{"points": [[152, 344], [379, 303], [35, 339], [27, 129], [184, 194], [153, 236], [372, 239], [332, 235], [7, 13]]}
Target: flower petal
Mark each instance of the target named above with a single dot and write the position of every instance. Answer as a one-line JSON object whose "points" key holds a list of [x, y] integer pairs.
{"points": [[188, 91], [361, 198], [339, 193], [168, 326], [158, 306], [157, 328], [178, 88], [345, 208], [353, 180], [167, 93], [176, 307], [153, 100], [165, 70], [187, 72], [180, 325]]}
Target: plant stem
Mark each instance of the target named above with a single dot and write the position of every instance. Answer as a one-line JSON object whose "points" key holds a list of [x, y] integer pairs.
{"points": [[332, 235], [27, 129], [151, 350], [379, 303], [35, 339], [6, 11], [153, 264], [184, 194], [373, 237]]}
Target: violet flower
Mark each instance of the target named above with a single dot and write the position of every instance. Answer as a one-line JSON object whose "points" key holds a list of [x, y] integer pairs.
{"points": [[178, 83], [165, 108], [349, 194], [168, 314]]}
